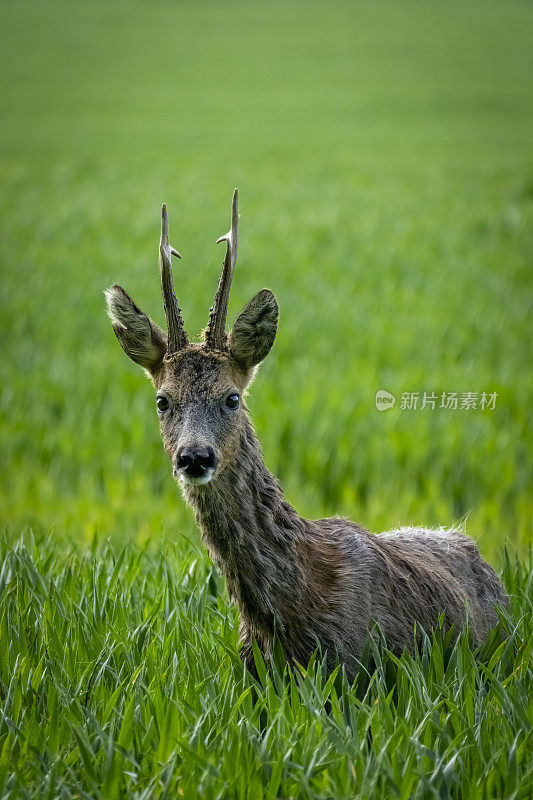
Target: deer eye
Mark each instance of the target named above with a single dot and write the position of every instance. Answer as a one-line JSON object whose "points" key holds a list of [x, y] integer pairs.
{"points": [[162, 403], [232, 401]]}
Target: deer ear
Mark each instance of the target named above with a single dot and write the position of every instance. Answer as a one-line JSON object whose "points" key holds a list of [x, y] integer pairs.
{"points": [[140, 338], [254, 330]]}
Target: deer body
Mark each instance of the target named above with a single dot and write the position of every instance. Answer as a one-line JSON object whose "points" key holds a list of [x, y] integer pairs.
{"points": [[327, 580], [309, 582]]}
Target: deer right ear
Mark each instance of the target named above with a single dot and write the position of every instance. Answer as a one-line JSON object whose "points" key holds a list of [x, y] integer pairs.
{"points": [[254, 330], [140, 338]]}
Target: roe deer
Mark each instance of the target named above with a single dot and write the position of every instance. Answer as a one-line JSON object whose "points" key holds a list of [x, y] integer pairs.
{"points": [[311, 581]]}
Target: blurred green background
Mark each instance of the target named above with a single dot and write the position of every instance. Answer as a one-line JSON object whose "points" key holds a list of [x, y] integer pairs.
{"points": [[384, 161]]}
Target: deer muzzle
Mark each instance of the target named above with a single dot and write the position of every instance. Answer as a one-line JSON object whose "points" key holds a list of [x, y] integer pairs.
{"points": [[195, 464]]}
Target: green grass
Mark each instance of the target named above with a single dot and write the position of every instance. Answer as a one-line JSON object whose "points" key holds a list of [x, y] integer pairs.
{"points": [[386, 182], [123, 679], [383, 157]]}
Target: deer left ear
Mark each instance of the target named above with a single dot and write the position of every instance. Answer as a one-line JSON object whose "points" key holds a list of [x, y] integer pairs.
{"points": [[254, 330], [140, 338]]}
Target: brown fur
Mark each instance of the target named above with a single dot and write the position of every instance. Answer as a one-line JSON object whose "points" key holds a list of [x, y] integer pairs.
{"points": [[309, 581]]}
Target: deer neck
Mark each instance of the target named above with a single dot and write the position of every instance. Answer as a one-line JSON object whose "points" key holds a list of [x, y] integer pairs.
{"points": [[252, 533]]}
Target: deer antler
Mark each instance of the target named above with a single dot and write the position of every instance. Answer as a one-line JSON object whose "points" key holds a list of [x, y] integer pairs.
{"points": [[215, 334], [177, 337]]}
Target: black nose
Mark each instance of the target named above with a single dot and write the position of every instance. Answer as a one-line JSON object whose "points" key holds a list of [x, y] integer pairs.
{"points": [[195, 461]]}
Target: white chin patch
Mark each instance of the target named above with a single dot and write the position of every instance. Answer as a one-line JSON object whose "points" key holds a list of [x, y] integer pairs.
{"points": [[185, 479]]}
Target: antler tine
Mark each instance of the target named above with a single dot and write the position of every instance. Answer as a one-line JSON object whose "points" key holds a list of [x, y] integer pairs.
{"points": [[177, 337], [215, 335]]}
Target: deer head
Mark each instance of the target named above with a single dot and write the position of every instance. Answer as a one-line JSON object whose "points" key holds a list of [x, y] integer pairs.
{"points": [[199, 386]]}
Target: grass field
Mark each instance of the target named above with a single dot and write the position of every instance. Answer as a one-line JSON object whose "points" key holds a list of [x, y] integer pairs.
{"points": [[384, 162], [123, 680]]}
